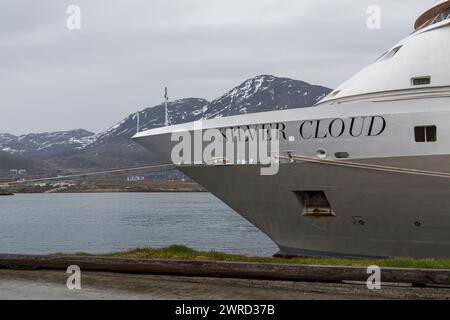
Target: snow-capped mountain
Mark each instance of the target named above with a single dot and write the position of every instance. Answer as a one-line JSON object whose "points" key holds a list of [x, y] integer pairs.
{"points": [[266, 93], [45, 143], [259, 94], [80, 148], [180, 111]]}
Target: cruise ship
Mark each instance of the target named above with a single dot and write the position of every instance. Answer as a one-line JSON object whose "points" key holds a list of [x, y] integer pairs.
{"points": [[363, 173]]}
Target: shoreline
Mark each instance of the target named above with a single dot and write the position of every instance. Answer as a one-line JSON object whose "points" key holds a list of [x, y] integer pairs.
{"points": [[155, 187], [181, 252]]}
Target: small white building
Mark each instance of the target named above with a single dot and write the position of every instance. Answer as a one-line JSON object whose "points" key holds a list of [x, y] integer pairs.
{"points": [[135, 178]]}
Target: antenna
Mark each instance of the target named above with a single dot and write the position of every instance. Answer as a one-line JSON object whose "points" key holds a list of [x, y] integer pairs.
{"points": [[137, 122], [166, 99]]}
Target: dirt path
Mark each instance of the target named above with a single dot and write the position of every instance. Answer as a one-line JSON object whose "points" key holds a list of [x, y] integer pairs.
{"points": [[52, 285]]}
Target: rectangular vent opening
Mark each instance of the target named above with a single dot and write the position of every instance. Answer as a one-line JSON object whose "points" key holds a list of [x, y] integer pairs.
{"points": [[420, 81], [314, 204]]}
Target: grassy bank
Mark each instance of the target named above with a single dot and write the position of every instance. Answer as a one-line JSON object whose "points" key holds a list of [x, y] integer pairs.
{"points": [[111, 187], [138, 187], [185, 253]]}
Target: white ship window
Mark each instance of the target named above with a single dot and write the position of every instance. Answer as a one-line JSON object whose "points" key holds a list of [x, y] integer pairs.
{"points": [[436, 19], [333, 94], [421, 81], [315, 204], [379, 58], [441, 17], [391, 53], [425, 133]]}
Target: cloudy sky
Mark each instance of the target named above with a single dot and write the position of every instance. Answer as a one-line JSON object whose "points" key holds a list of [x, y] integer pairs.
{"points": [[127, 50]]}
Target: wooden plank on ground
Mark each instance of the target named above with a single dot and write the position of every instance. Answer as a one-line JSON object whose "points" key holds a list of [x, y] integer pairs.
{"points": [[244, 270]]}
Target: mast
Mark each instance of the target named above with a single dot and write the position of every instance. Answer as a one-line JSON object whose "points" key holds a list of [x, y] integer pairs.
{"points": [[137, 122], [166, 99]]}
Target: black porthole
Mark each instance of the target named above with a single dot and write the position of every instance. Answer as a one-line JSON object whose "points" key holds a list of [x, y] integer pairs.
{"points": [[341, 155]]}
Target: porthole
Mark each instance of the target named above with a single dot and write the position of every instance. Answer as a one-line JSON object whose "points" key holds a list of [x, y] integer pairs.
{"points": [[341, 155], [321, 153]]}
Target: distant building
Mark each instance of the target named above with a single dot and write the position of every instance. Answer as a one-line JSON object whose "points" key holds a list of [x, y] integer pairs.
{"points": [[135, 178], [41, 184], [18, 172]]}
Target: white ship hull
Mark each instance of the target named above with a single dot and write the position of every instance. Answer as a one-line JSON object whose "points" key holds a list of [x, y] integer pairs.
{"points": [[395, 114], [377, 213]]}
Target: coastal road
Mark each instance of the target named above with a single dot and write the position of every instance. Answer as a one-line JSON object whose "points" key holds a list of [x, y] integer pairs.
{"points": [[95, 285]]}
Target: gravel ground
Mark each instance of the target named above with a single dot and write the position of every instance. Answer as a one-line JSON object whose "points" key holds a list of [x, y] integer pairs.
{"points": [[52, 285]]}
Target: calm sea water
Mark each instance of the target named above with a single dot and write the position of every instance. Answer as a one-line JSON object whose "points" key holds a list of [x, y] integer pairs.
{"points": [[106, 222]]}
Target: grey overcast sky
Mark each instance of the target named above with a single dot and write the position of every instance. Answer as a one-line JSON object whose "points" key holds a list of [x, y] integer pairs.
{"points": [[128, 50]]}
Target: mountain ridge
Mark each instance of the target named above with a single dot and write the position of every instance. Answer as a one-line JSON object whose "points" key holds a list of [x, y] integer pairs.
{"points": [[81, 149]]}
